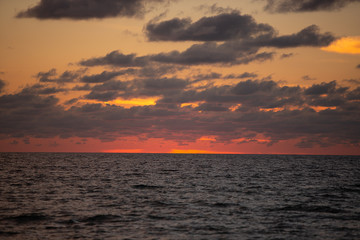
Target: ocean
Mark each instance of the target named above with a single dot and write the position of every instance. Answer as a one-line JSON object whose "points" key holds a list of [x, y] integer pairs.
{"points": [[178, 196]]}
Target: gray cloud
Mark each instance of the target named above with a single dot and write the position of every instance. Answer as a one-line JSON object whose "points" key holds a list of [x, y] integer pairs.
{"points": [[241, 110], [86, 9], [307, 37], [244, 38], [358, 66], [286, 55], [353, 81], [215, 9], [221, 27], [2, 85], [116, 58], [65, 77], [146, 87], [323, 88], [212, 53], [104, 76], [214, 75], [283, 6]]}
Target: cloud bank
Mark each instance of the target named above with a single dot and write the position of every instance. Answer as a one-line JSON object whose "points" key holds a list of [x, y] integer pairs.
{"points": [[322, 114]]}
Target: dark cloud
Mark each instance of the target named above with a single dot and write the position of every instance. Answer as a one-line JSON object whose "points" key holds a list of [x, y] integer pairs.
{"points": [[244, 40], [212, 107], [212, 53], [116, 58], [354, 94], [86, 9], [353, 81], [41, 89], [283, 6], [323, 88], [2, 85], [250, 87], [146, 87], [241, 110], [286, 55], [214, 75], [358, 66], [65, 77], [308, 37], [104, 76], [215, 9], [222, 27]]}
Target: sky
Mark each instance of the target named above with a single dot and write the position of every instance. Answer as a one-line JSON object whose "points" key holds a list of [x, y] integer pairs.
{"points": [[180, 76]]}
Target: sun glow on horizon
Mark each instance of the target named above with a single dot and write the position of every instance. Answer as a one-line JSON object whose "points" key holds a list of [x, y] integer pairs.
{"points": [[124, 151], [197, 151]]}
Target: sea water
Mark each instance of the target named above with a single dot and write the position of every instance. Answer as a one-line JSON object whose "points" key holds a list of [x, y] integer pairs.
{"points": [[168, 196]]}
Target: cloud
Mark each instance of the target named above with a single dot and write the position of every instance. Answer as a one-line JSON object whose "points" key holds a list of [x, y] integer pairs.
{"points": [[2, 85], [323, 88], [215, 9], [284, 6], [115, 58], [307, 37], [308, 78], [326, 112], [222, 27], [353, 81], [40, 89], [145, 87], [213, 53], [86, 9], [244, 51], [104, 76], [215, 75], [286, 55], [358, 66], [65, 77], [228, 38]]}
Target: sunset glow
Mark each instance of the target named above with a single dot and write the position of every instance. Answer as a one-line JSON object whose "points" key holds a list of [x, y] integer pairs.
{"points": [[180, 76], [348, 45], [194, 151]]}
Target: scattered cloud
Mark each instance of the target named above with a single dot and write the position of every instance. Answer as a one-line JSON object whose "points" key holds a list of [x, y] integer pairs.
{"points": [[284, 6], [86, 9], [215, 9], [286, 55], [227, 113], [308, 78], [104, 76], [222, 27], [51, 76], [353, 81], [229, 52], [307, 37], [115, 58]]}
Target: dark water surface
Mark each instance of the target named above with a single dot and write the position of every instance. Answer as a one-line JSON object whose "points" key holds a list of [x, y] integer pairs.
{"points": [[164, 196]]}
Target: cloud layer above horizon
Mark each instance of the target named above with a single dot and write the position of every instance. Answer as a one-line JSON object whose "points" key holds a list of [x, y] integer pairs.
{"points": [[168, 94]]}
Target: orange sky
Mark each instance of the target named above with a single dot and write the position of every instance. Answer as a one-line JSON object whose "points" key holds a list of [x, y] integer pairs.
{"points": [[179, 77]]}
